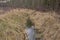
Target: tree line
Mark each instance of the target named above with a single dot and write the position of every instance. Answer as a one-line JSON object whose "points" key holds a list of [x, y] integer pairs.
{"points": [[50, 4]]}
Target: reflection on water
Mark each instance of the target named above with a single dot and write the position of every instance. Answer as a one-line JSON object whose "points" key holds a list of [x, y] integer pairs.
{"points": [[30, 33]]}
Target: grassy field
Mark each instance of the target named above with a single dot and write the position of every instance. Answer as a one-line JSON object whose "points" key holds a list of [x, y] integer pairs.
{"points": [[13, 22]]}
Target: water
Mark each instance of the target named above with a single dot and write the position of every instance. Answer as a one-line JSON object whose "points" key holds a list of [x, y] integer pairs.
{"points": [[30, 33]]}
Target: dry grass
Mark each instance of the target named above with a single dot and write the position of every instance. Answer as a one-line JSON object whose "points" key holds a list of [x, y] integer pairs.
{"points": [[12, 24]]}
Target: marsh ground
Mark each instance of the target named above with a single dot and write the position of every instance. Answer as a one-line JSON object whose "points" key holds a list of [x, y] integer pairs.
{"points": [[13, 22]]}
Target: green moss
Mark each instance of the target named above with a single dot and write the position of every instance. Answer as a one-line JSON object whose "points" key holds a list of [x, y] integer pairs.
{"points": [[29, 23]]}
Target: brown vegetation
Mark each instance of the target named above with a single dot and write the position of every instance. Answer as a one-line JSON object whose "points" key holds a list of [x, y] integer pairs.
{"points": [[12, 24]]}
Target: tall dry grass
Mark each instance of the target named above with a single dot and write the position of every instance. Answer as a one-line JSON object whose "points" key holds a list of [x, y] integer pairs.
{"points": [[12, 24]]}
